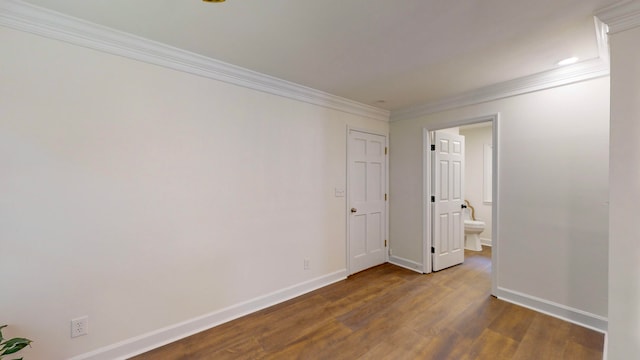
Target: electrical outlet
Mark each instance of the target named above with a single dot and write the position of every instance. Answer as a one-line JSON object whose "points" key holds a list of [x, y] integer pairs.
{"points": [[79, 326], [307, 264]]}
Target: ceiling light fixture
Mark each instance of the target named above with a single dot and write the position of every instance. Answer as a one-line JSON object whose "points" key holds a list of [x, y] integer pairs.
{"points": [[568, 61], [214, 1]]}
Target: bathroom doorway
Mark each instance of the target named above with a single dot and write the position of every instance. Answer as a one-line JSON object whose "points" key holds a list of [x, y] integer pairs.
{"points": [[480, 179]]}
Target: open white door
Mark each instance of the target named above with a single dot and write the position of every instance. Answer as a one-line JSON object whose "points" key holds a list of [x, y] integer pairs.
{"points": [[448, 199], [367, 208]]}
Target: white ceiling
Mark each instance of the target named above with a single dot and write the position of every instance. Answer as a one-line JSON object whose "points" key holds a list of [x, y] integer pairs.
{"points": [[404, 52]]}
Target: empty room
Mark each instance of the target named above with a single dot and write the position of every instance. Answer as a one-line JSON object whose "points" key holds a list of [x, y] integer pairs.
{"points": [[249, 179]]}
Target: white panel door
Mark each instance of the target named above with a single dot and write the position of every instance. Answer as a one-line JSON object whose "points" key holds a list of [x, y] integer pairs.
{"points": [[366, 207], [447, 219]]}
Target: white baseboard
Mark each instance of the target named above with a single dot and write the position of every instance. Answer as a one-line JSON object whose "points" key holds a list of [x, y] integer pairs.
{"points": [[169, 334], [407, 264], [485, 242], [579, 317]]}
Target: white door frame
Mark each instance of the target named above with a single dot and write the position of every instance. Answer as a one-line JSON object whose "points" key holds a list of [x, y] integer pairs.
{"points": [[426, 191], [348, 195]]}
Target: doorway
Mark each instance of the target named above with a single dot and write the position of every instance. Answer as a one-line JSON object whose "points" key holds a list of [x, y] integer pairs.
{"points": [[490, 196]]}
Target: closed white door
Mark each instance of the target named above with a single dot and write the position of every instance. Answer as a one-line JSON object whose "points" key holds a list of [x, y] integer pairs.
{"points": [[367, 200], [448, 199]]}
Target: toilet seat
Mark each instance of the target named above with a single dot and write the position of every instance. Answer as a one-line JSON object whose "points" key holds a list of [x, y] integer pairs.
{"points": [[474, 224]]}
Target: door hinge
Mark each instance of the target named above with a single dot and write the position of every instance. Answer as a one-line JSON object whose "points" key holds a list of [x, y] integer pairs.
{"points": [[385, 197], [433, 147], [385, 242], [386, 150], [433, 250], [433, 198]]}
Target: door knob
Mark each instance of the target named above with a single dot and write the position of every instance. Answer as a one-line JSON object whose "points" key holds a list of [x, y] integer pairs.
{"points": [[354, 210], [463, 206]]}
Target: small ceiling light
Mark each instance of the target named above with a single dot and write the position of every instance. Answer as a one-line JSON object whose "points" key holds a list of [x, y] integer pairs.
{"points": [[214, 1], [568, 61]]}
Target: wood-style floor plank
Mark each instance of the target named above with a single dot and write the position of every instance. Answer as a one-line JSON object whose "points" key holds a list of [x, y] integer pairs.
{"points": [[392, 313]]}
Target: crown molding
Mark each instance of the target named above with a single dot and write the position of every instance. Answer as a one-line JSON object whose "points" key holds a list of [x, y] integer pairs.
{"points": [[585, 70], [602, 39], [26, 17], [581, 71], [621, 16]]}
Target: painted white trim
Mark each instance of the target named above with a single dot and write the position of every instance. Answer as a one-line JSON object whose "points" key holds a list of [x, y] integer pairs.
{"points": [[580, 71], [495, 140], [17, 14], [572, 315], [146, 342], [485, 242], [406, 263], [621, 16], [602, 38], [387, 191], [427, 267]]}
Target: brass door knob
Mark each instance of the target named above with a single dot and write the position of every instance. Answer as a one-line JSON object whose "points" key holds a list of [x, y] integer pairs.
{"points": [[354, 210]]}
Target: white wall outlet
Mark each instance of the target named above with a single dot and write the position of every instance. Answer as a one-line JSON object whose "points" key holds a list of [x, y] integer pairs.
{"points": [[307, 264], [79, 326]]}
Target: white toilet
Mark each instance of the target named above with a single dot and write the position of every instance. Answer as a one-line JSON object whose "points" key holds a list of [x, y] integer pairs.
{"points": [[472, 230]]}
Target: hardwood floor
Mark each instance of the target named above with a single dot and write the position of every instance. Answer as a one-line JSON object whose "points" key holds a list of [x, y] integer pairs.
{"points": [[392, 313]]}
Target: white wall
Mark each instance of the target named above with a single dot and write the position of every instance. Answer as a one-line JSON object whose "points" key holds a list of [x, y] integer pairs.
{"points": [[475, 138], [144, 197], [553, 188], [624, 233]]}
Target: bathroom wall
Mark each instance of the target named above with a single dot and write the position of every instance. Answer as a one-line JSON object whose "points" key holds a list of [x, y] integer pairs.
{"points": [[476, 137], [453, 130]]}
